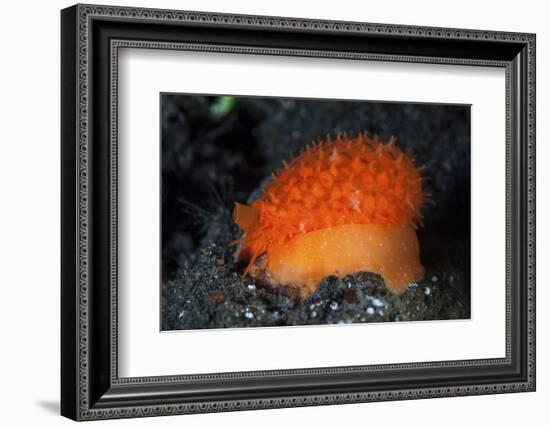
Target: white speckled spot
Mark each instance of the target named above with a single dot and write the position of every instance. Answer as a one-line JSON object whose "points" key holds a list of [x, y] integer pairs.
{"points": [[377, 303]]}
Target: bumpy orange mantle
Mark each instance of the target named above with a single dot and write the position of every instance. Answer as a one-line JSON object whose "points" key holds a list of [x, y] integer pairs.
{"points": [[341, 206]]}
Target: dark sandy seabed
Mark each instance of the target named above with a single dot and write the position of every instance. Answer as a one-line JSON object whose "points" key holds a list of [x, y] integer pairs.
{"points": [[218, 151]]}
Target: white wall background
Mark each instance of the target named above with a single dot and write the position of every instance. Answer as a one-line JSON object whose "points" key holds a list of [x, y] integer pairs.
{"points": [[29, 211]]}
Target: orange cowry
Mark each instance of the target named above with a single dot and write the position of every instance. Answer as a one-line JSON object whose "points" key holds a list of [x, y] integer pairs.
{"points": [[341, 206]]}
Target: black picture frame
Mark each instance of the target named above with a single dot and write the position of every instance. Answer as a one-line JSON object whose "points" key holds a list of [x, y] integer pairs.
{"points": [[90, 38]]}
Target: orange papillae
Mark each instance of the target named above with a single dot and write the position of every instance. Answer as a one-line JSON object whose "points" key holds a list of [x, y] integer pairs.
{"points": [[341, 206]]}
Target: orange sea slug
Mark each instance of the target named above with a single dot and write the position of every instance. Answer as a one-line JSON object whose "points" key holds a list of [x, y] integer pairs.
{"points": [[341, 206]]}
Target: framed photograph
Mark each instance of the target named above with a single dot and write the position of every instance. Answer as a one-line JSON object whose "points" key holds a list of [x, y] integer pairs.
{"points": [[263, 212]]}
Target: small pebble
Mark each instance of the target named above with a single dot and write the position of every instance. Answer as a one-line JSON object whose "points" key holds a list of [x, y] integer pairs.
{"points": [[251, 287], [248, 315], [434, 279], [377, 303], [370, 311], [350, 296], [217, 297]]}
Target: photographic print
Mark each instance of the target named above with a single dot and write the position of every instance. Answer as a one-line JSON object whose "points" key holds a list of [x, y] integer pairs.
{"points": [[288, 211]]}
